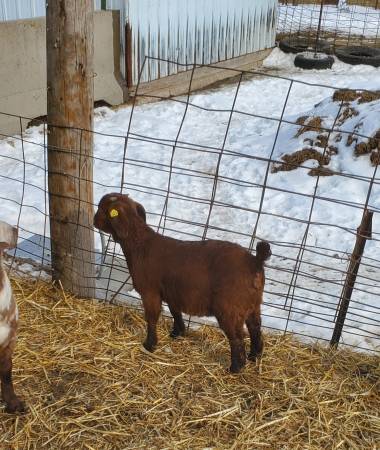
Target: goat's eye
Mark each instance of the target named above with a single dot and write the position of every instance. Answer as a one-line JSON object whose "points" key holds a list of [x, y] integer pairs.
{"points": [[114, 213]]}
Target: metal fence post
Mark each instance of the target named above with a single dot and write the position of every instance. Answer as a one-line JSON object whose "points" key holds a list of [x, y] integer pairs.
{"points": [[128, 55], [364, 232]]}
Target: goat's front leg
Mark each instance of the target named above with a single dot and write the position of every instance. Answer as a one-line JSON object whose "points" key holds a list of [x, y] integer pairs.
{"points": [[178, 325], [152, 308], [12, 403]]}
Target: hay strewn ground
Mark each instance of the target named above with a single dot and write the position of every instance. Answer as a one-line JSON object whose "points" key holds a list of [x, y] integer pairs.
{"points": [[81, 368]]}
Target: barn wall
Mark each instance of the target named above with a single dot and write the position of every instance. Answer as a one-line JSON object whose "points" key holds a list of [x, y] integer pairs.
{"points": [[187, 31], [196, 31]]}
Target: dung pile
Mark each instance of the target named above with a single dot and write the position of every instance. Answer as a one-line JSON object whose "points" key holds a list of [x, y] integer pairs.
{"points": [[325, 139]]}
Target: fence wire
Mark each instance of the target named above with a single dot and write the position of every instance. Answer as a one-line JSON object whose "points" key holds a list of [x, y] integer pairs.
{"points": [[350, 25], [203, 171]]}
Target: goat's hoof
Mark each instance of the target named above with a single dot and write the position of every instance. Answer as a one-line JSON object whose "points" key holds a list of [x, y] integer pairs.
{"points": [[235, 368], [148, 346], [15, 406], [176, 333], [254, 356]]}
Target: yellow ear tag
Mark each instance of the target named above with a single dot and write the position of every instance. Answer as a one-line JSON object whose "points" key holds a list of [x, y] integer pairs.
{"points": [[114, 213]]}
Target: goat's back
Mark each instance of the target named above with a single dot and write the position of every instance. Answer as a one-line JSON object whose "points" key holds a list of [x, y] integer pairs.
{"points": [[197, 276]]}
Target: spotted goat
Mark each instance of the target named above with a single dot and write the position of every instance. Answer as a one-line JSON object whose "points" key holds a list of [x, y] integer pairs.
{"points": [[8, 324]]}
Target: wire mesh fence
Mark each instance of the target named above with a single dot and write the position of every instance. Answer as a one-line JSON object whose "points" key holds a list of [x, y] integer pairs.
{"points": [[226, 167], [348, 25]]}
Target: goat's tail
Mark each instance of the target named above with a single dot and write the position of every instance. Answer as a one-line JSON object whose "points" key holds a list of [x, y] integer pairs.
{"points": [[263, 252]]}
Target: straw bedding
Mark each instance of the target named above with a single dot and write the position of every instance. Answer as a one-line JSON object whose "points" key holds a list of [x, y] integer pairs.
{"points": [[89, 384]]}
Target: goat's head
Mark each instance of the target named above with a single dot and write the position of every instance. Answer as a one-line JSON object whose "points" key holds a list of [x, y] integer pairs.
{"points": [[115, 211], [8, 236]]}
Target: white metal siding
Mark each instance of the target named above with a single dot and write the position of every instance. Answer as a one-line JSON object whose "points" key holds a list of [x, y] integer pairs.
{"points": [[21, 9], [197, 31]]}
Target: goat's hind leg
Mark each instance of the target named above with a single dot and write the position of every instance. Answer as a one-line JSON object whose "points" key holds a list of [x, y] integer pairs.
{"points": [[152, 307], [234, 333], [178, 325], [253, 323], [12, 403]]}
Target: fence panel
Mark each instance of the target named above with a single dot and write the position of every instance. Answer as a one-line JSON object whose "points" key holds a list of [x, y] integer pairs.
{"points": [[355, 25], [221, 166]]}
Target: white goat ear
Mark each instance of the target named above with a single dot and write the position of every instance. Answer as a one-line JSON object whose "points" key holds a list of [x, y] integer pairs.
{"points": [[8, 235]]}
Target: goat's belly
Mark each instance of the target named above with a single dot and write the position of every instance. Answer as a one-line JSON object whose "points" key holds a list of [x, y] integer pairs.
{"points": [[5, 334], [8, 325], [188, 295], [192, 306]]}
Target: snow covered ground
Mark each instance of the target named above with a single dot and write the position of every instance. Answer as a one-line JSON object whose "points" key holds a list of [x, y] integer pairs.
{"points": [[249, 142], [353, 20]]}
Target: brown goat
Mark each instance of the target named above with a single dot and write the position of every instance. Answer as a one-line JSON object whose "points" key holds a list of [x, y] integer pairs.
{"points": [[202, 278], [8, 324]]}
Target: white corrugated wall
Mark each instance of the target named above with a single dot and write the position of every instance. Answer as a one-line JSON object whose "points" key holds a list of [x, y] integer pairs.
{"points": [[184, 31], [197, 31]]}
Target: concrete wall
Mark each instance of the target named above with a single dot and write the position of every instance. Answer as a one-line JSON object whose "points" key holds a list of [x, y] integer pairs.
{"points": [[23, 67]]}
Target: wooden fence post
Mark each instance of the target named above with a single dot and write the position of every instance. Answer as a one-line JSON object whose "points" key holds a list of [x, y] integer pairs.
{"points": [[70, 102], [364, 232]]}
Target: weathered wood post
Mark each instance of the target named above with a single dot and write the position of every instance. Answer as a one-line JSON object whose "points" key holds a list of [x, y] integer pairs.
{"points": [[364, 232], [70, 101]]}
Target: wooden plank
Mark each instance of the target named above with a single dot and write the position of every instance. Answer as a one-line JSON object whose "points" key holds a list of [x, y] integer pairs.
{"points": [[178, 84], [70, 99], [303, 2], [369, 3]]}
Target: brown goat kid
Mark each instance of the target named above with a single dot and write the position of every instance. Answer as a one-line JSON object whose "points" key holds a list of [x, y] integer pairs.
{"points": [[202, 278]]}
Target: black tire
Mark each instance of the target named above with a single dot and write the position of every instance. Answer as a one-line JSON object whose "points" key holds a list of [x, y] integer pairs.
{"points": [[359, 55], [310, 61], [299, 45]]}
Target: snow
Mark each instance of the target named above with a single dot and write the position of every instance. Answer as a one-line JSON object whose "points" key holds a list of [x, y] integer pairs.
{"points": [[200, 130], [352, 20]]}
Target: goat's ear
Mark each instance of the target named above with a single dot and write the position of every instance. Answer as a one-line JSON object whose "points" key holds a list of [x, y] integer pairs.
{"points": [[141, 211], [8, 236]]}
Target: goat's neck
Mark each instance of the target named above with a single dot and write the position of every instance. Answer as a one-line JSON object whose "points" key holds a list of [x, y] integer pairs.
{"points": [[137, 243], [3, 274]]}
